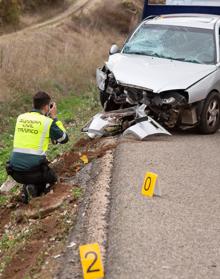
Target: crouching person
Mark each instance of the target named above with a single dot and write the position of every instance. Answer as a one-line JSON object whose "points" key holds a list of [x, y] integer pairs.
{"points": [[28, 164]]}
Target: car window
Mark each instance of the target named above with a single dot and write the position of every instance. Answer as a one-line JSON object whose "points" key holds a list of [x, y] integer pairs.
{"points": [[194, 45]]}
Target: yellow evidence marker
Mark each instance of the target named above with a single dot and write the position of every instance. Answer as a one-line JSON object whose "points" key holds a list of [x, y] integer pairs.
{"points": [[85, 159], [90, 256], [150, 185]]}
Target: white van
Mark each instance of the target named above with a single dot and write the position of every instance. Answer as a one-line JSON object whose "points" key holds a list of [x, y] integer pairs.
{"points": [[194, 2]]}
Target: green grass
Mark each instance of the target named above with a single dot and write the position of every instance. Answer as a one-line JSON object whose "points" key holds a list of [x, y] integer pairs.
{"points": [[8, 114], [5, 147], [3, 200], [10, 244], [77, 192], [6, 243], [74, 110]]}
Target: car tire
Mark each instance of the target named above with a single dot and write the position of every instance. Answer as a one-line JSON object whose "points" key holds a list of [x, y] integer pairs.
{"points": [[107, 103], [210, 116]]}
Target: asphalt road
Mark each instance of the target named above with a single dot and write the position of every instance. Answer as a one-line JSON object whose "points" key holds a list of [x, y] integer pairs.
{"points": [[177, 235]]}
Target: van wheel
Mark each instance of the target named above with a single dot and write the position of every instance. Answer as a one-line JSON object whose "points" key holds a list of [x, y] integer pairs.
{"points": [[210, 116]]}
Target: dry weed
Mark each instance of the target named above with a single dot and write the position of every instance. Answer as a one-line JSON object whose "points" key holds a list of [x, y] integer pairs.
{"points": [[62, 58]]}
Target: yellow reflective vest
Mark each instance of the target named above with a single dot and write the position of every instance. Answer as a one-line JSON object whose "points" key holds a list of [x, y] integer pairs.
{"points": [[32, 133]]}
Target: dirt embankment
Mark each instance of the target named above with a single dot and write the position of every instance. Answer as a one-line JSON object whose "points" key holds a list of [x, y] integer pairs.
{"points": [[34, 235], [58, 56]]}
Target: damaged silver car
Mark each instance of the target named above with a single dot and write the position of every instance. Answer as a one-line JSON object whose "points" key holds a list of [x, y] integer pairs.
{"points": [[171, 64]]}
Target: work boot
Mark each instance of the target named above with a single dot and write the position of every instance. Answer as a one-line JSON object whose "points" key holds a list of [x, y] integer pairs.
{"points": [[24, 195], [47, 188], [31, 190], [28, 191]]}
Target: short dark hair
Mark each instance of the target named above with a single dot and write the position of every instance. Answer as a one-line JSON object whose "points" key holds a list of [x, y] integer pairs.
{"points": [[41, 99]]}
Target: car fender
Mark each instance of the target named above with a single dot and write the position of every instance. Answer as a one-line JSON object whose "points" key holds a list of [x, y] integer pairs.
{"points": [[201, 89]]}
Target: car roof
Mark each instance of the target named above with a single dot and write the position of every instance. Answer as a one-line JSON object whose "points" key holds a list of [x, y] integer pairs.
{"points": [[206, 21]]}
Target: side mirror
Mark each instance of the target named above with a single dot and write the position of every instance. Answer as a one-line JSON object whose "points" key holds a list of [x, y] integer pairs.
{"points": [[114, 49]]}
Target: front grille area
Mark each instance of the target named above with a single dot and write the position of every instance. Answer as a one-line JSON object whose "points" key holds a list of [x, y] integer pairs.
{"points": [[137, 94]]}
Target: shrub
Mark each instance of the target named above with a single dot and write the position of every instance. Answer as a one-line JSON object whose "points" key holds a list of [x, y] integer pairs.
{"points": [[9, 11], [35, 4]]}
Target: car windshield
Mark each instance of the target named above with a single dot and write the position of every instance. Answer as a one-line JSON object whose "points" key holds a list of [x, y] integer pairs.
{"points": [[186, 44]]}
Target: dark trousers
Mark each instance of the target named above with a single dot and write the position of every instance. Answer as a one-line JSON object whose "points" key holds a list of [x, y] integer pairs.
{"points": [[39, 176]]}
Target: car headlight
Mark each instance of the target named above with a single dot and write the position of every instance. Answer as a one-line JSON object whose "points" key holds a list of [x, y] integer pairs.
{"points": [[100, 79], [169, 101]]}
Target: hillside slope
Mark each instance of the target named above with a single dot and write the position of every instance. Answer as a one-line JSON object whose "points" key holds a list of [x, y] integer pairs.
{"points": [[59, 56], [64, 50]]}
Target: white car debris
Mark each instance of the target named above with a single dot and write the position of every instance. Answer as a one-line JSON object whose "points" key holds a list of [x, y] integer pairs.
{"points": [[130, 121]]}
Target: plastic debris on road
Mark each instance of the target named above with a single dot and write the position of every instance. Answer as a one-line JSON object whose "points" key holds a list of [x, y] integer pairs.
{"points": [[145, 129], [71, 245]]}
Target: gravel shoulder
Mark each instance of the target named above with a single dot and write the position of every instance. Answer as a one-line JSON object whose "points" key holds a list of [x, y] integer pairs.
{"points": [[177, 235], [91, 224]]}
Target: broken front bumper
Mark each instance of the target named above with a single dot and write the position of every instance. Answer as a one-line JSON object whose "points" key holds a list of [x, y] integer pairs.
{"points": [[130, 121]]}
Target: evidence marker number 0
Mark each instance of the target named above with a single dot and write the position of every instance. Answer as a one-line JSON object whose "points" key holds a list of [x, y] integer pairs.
{"points": [[90, 256], [150, 185]]}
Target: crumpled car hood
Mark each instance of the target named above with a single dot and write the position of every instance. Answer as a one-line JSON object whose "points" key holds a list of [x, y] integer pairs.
{"points": [[154, 73]]}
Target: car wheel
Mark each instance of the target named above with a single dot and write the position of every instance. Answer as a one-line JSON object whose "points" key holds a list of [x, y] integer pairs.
{"points": [[107, 103], [210, 116]]}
